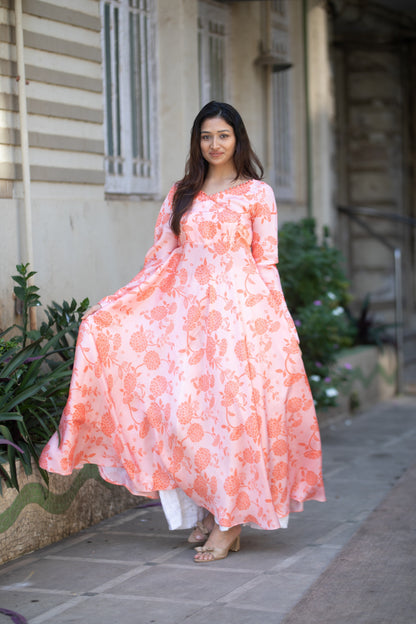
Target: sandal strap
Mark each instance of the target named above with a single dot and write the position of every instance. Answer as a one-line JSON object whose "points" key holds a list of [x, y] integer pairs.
{"points": [[200, 527]]}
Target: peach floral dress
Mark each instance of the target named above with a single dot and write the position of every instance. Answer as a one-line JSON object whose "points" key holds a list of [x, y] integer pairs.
{"points": [[191, 376]]}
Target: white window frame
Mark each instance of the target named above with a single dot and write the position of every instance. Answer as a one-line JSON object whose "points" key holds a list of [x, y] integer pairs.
{"points": [[282, 115], [130, 99], [213, 43]]}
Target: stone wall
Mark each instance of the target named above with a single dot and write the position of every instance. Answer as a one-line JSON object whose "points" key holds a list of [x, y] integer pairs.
{"points": [[36, 516]]}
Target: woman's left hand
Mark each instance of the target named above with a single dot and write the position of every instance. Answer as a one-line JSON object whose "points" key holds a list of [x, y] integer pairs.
{"points": [[90, 311]]}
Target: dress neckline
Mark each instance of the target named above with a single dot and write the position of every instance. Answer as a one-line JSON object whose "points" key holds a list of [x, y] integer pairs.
{"points": [[228, 189]]}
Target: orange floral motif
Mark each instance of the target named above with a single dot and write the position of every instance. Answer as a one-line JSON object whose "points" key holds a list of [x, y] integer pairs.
{"points": [[240, 350], [158, 385], [261, 325], [154, 415], [294, 404], [311, 478], [79, 414], [200, 486], [252, 427], [166, 284], [252, 300], [280, 447], [152, 360], [202, 273], [161, 480], [243, 501], [191, 375], [185, 413], [274, 428], [103, 346], [103, 318], [280, 470], [138, 342], [214, 320], [231, 390], [202, 458], [250, 456], [193, 316], [221, 247], [107, 424], [129, 382], [204, 383], [232, 485], [195, 432], [159, 313], [178, 454], [130, 467], [207, 229], [210, 348]]}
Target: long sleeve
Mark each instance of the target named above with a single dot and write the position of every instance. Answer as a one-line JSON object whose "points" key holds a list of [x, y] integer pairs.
{"points": [[264, 250], [165, 241], [264, 241]]}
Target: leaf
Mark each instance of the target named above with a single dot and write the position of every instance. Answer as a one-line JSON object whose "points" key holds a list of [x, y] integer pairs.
{"points": [[196, 357], [237, 432], [312, 454]]}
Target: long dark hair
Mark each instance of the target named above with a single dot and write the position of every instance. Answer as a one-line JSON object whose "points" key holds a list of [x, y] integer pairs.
{"points": [[246, 162]]}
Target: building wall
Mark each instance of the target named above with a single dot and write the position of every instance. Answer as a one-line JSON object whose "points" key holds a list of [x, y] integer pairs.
{"points": [[373, 129], [86, 244]]}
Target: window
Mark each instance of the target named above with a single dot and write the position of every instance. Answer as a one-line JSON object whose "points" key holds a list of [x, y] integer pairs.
{"points": [[130, 96], [212, 51], [281, 90]]}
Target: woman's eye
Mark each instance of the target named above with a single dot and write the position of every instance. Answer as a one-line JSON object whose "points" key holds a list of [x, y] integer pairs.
{"points": [[224, 136]]}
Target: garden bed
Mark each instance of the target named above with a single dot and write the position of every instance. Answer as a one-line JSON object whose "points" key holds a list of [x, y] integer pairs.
{"points": [[372, 379]]}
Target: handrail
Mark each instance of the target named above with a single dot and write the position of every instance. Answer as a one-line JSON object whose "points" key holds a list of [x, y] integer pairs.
{"points": [[378, 214], [354, 213]]}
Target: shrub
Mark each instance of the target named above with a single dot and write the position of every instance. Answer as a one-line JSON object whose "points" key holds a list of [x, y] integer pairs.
{"points": [[316, 292], [35, 370]]}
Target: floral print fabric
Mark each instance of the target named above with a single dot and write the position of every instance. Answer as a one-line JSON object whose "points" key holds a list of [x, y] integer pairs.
{"points": [[191, 376]]}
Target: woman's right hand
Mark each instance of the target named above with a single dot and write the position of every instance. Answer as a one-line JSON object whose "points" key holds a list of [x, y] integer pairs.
{"points": [[90, 311]]}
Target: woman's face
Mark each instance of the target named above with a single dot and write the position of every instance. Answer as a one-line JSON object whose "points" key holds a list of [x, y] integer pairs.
{"points": [[217, 141]]}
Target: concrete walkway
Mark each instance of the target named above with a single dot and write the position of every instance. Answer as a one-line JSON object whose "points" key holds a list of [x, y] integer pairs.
{"points": [[130, 569]]}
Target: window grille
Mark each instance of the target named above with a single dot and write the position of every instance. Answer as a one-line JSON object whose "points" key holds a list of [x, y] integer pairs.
{"points": [[130, 98], [281, 98], [212, 51]]}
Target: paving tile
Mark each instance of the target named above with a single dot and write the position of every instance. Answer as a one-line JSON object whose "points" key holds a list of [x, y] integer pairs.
{"points": [[142, 519], [29, 604], [131, 568], [278, 592], [119, 546], [104, 609], [226, 614], [203, 582], [55, 574]]}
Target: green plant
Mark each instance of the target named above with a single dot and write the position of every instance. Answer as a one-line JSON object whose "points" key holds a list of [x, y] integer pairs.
{"points": [[316, 293], [35, 370], [368, 330]]}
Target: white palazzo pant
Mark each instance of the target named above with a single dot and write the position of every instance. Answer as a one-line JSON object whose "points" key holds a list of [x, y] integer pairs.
{"points": [[182, 513]]}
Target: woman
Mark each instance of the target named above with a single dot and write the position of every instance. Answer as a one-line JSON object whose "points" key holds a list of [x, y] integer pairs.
{"points": [[188, 382]]}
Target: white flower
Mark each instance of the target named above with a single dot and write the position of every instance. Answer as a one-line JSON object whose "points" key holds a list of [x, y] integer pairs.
{"points": [[331, 296], [338, 311], [314, 378], [331, 392]]}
